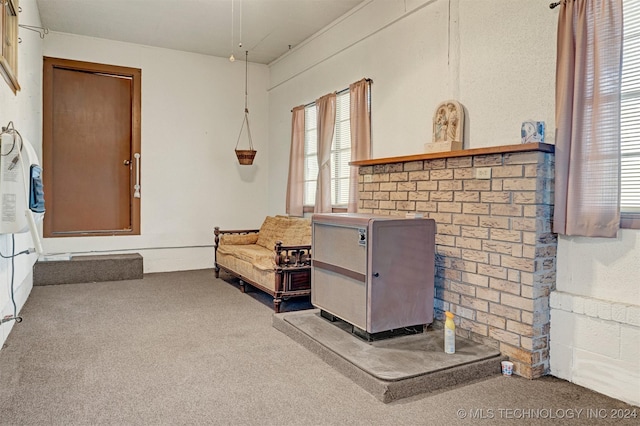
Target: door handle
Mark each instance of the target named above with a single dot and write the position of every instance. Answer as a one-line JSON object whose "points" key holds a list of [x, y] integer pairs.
{"points": [[376, 274], [136, 187], [126, 162]]}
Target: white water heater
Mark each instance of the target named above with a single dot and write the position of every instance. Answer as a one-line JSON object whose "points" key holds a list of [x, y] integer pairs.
{"points": [[21, 191]]}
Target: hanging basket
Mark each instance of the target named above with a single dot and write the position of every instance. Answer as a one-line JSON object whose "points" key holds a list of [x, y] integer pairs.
{"points": [[246, 156]]}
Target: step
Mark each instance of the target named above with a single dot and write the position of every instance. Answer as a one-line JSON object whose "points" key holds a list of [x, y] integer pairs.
{"points": [[394, 368], [89, 268]]}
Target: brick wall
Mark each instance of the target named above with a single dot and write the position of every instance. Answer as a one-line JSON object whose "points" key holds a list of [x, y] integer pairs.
{"points": [[495, 254]]}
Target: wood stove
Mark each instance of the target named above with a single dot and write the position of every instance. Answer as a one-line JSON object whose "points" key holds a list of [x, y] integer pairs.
{"points": [[374, 272]]}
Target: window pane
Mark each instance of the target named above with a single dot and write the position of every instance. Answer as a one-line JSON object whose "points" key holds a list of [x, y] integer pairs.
{"points": [[343, 134], [342, 101], [310, 116], [333, 192], [630, 111], [310, 144], [340, 191], [311, 166], [310, 154], [341, 162], [341, 151], [310, 193], [630, 184]]}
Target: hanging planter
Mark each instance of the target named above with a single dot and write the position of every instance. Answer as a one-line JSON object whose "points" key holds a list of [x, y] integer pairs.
{"points": [[245, 156]]}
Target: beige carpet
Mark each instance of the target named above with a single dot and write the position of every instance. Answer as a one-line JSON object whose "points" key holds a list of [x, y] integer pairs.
{"points": [[185, 348]]}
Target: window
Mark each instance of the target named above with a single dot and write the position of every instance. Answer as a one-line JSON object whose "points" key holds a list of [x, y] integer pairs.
{"points": [[630, 112], [340, 153], [9, 41]]}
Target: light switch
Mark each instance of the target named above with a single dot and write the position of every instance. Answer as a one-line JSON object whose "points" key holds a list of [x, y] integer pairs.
{"points": [[483, 173]]}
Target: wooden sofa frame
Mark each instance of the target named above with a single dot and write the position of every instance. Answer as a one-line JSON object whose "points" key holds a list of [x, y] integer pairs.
{"points": [[292, 269]]}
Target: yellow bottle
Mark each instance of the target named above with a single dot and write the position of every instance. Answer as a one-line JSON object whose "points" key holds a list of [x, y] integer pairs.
{"points": [[449, 334]]}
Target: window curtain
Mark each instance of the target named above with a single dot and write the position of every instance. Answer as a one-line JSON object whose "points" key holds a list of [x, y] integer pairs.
{"points": [[587, 152], [360, 122], [326, 110], [295, 181]]}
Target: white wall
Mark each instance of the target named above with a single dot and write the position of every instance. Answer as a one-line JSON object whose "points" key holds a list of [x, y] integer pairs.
{"points": [[192, 110], [24, 109], [507, 68], [497, 57], [595, 314]]}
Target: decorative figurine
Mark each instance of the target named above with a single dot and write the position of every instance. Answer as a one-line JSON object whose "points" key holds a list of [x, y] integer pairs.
{"points": [[448, 125]]}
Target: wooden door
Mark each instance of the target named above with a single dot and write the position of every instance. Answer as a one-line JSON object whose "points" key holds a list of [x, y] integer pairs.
{"points": [[91, 133]]}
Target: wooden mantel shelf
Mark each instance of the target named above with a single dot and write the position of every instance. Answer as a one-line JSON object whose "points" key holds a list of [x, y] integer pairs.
{"points": [[503, 149]]}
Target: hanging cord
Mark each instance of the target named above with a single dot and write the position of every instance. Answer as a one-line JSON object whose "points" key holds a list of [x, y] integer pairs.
{"points": [[246, 79], [232, 58], [246, 108], [10, 130], [15, 316]]}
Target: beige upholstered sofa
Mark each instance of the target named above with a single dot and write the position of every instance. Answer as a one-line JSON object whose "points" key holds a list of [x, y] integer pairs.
{"points": [[275, 258]]}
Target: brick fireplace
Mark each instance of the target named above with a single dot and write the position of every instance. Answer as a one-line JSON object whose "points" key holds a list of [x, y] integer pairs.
{"points": [[495, 250]]}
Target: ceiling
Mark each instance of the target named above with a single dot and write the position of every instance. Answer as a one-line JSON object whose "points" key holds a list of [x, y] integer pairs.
{"points": [[268, 27]]}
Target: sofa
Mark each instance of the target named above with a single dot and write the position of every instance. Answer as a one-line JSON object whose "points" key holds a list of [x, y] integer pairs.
{"points": [[275, 258]]}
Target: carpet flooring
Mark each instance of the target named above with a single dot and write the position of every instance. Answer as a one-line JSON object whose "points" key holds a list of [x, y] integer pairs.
{"points": [[184, 348]]}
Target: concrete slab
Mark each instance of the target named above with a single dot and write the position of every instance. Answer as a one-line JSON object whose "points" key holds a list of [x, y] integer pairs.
{"points": [[393, 368]]}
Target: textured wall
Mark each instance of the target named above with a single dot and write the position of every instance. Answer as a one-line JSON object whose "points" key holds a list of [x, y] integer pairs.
{"points": [[24, 109]]}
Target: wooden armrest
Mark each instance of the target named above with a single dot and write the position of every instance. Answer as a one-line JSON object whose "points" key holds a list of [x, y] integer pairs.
{"points": [[292, 256], [218, 232]]}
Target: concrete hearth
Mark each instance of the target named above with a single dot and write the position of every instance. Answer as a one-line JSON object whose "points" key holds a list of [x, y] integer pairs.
{"points": [[394, 368]]}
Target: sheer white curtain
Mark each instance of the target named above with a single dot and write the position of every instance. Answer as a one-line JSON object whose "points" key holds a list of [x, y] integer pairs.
{"points": [[360, 123], [295, 182], [587, 152], [326, 107]]}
